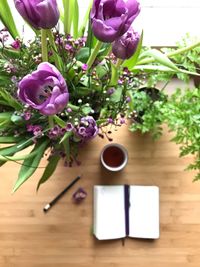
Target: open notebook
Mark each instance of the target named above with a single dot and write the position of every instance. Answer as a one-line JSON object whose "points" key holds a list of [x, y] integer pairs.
{"points": [[123, 210]]}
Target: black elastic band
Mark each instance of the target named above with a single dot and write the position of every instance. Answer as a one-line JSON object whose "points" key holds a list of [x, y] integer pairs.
{"points": [[126, 208]]}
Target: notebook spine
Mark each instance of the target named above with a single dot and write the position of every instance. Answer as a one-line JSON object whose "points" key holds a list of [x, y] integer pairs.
{"points": [[126, 207]]}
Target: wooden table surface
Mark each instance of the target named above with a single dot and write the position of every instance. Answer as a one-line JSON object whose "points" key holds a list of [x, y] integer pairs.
{"points": [[62, 237]]}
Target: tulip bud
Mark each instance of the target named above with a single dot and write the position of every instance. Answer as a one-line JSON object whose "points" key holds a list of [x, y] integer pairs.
{"points": [[125, 46], [39, 13]]}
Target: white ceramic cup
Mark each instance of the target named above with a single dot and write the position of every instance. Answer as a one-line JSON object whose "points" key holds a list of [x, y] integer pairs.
{"points": [[114, 157]]}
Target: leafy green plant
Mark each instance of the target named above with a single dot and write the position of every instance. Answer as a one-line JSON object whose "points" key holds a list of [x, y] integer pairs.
{"points": [[182, 114], [189, 60], [185, 60], [146, 111]]}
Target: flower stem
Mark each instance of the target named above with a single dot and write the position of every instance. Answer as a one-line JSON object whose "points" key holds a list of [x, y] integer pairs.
{"points": [[94, 54], [183, 49], [51, 121], [115, 72], [44, 45], [54, 50]]}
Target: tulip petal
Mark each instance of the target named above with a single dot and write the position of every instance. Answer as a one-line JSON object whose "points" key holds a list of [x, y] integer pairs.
{"points": [[102, 32], [114, 23], [49, 14], [61, 101], [133, 7], [94, 9], [49, 110]]}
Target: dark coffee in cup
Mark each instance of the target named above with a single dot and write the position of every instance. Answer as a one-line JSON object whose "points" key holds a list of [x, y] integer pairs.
{"points": [[114, 157]]}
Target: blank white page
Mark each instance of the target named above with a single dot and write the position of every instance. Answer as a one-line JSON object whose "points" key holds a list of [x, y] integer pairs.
{"points": [[144, 212], [109, 214]]}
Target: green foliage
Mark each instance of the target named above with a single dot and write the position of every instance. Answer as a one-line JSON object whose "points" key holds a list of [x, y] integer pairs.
{"points": [[13, 149], [146, 111], [7, 18], [8, 100], [49, 170], [30, 165], [160, 58], [182, 114], [186, 61]]}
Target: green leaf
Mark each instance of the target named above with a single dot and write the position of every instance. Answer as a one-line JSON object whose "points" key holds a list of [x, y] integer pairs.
{"points": [[5, 116], [151, 68], [75, 18], [7, 18], [114, 75], [9, 139], [16, 119], [49, 170], [9, 100], [11, 150], [31, 164], [71, 16], [85, 20], [66, 146], [66, 16], [5, 124], [83, 91], [101, 71], [91, 40], [83, 54], [86, 110], [116, 96], [160, 58], [131, 62], [131, 104], [59, 121], [57, 58], [65, 137], [11, 53]]}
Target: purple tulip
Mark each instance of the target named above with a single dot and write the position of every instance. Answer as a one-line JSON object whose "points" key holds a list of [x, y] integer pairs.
{"points": [[44, 89], [110, 19], [125, 46], [87, 128], [39, 13]]}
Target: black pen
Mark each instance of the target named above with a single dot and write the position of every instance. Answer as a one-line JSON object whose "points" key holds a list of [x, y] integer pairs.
{"points": [[49, 205]]}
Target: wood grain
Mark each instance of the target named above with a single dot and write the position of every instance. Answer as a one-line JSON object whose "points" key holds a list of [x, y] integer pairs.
{"points": [[62, 237]]}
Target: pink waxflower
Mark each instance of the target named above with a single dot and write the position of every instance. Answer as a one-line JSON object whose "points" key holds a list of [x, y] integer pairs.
{"points": [[27, 115], [84, 67], [16, 44]]}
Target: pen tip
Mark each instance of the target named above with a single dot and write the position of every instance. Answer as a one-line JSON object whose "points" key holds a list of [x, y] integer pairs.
{"points": [[46, 208]]}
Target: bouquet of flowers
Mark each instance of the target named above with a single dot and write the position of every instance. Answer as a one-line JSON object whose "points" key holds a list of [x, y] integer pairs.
{"points": [[64, 87]]}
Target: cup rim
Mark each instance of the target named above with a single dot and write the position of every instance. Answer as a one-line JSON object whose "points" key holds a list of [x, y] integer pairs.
{"points": [[125, 152]]}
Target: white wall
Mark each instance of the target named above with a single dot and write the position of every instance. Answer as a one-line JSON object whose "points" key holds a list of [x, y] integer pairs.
{"points": [[164, 21]]}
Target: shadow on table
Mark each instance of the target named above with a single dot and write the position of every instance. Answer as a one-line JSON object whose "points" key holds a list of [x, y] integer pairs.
{"points": [[110, 177]]}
